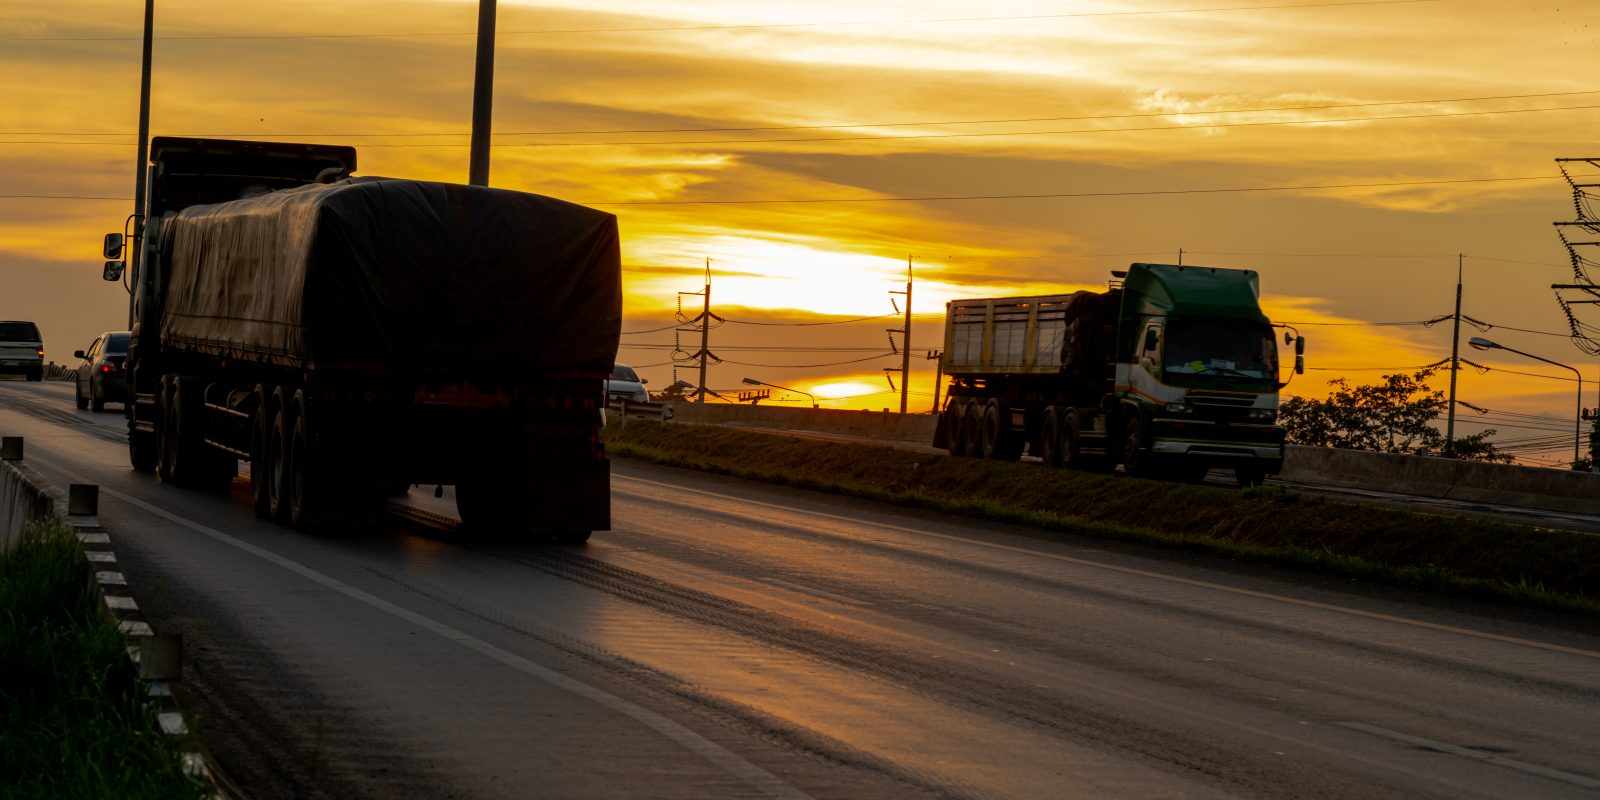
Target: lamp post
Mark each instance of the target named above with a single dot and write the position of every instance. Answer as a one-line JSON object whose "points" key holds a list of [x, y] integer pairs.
{"points": [[754, 382], [1480, 343]]}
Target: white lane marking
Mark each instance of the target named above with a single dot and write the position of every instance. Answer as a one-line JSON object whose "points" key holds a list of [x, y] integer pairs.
{"points": [[754, 776], [1467, 752], [136, 629], [109, 578], [121, 603], [817, 592], [102, 558], [172, 723], [94, 538], [1294, 601]]}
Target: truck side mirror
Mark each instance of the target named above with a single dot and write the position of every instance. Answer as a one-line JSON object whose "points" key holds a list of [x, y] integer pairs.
{"points": [[1299, 365], [113, 271], [1299, 345], [1150, 339], [113, 246]]}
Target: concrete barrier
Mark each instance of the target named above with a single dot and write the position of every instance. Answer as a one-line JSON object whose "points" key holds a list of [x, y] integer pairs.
{"points": [[1448, 478], [1427, 476], [868, 424]]}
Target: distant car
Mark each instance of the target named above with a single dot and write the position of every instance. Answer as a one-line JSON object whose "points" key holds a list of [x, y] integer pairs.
{"points": [[625, 384], [100, 376], [21, 350]]}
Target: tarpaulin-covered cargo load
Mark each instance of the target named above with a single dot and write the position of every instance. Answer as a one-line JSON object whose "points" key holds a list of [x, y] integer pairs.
{"points": [[402, 275]]}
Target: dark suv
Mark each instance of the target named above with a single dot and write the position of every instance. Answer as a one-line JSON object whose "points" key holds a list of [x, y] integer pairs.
{"points": [[100, 379], [21, 350]]}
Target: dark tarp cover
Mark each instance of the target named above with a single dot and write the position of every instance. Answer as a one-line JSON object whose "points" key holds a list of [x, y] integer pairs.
{"points": [[409, 275]]}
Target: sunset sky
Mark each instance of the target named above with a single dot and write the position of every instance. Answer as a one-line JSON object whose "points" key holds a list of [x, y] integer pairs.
{"points": [[1008, 147]]}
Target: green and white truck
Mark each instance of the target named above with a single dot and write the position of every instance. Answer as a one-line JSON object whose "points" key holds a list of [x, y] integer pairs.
{"points": [[1171, 372]]}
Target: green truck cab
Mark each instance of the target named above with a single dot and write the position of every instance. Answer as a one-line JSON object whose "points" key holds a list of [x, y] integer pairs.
{"points": [[1172, 372]]}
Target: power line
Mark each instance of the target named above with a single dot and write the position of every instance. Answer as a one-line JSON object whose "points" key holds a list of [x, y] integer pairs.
{"points": [[806, 366], [808, 324], [677, 28], [846, 125], [1069, 195], [942, 198]]}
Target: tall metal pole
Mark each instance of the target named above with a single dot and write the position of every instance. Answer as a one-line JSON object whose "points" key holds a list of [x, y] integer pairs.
{"points": [[905, 352], [705, 338], [142, 156], [1455, 365], [482, 96]]}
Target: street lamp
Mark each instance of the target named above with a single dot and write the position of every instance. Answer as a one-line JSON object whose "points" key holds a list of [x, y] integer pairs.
{"points": [[1480, 343], [754, 382]]}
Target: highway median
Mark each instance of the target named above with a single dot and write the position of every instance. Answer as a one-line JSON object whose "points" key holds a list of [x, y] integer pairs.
{"points": [[1450, 555]]}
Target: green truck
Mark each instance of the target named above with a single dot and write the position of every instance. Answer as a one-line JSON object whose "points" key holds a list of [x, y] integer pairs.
{"points": [[1171, 372]]}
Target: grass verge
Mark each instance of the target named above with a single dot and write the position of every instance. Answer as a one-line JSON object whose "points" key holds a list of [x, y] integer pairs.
{"points": [[74, 721], [1468, 557]]}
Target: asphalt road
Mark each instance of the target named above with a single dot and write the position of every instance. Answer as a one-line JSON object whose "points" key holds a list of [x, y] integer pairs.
{"points": [[731, 639]]}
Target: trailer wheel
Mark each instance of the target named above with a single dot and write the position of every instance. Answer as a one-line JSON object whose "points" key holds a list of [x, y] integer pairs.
{"points": [[955, 430], [1050, 438], [260, 432], [166, 430], [278, 466], [1067, 441], [971, 435], [310, 494]]}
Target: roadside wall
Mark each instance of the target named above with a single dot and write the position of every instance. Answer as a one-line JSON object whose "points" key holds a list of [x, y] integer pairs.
{"points": [[869, 424], [23, 498], [1471, 481]]}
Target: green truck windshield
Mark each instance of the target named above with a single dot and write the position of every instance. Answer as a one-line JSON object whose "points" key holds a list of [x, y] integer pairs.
{"points": [[1222, 349]]}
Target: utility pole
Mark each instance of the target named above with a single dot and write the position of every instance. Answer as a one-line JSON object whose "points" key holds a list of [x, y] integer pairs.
{"points": [[142, 155], [905, 352], [704, 355], [1455, 365], [482, 96], [1180, 256]]}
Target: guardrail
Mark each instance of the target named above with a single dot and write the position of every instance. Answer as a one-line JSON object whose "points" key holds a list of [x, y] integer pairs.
{"points": [[623, 409]]}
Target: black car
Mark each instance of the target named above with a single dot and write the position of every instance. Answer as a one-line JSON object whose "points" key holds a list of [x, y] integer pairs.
{"points": [[100, 379], [21, 349]]}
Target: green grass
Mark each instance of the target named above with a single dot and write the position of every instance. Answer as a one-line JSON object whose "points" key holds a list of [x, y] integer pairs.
{"points": [[74, 722], [1470, 557]]}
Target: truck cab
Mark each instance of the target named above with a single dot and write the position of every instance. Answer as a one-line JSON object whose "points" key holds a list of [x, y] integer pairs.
{"points": [[1197, 371]]}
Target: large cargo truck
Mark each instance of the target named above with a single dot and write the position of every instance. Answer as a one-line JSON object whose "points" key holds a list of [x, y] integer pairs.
{"points": [[351, 337], [1172, 372]]}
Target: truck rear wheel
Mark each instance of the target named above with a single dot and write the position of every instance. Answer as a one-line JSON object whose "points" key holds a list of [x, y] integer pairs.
{"points": [[1050, 438], [277, 466], [260, 431], [166, 430], [1067, 441], [972, 438], [955, 428]]}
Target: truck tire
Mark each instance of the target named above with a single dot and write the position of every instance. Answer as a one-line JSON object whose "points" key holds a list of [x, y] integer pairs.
{"points": [[989, 433], [1067, 441], [955, 428], [488, 501], [166, 430], [278, 466], [260, 431], [77, 395], [971, 422], [1050, 438], [1135, 460], [313, 486]]}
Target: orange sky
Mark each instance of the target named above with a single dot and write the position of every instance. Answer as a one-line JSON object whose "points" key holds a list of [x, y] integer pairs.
{"points": [[647, 106]]}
